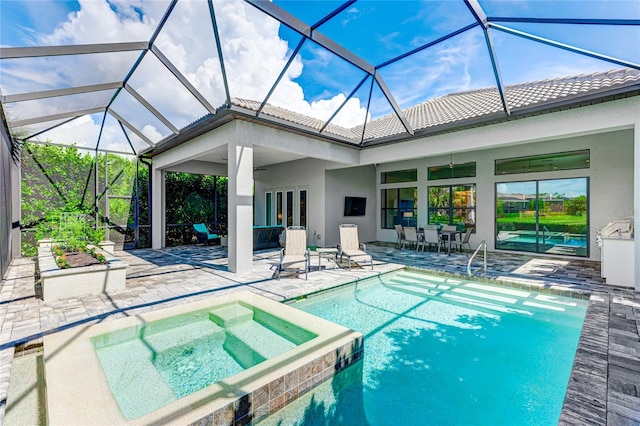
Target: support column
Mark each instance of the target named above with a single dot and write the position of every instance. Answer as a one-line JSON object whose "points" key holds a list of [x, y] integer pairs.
{"points": [[240, 206], [636, 201], [157, 203]]}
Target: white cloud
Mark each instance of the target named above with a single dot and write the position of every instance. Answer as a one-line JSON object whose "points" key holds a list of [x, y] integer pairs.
{"points": [[253, 51], [82, 131]]}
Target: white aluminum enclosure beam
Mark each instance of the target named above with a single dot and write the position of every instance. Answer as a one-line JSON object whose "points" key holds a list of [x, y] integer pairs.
{"points": [[53, 117], [394, 104], [151, 109], [565, 46], [167, 63], [60, 92], [132, 128], [78, 147], [496, 70], [292, 22], [477, 12], [481, 17], [216, 37], [80, 49]]}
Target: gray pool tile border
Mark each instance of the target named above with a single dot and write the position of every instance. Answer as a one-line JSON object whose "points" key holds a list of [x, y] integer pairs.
{"points": [[255, 406]]}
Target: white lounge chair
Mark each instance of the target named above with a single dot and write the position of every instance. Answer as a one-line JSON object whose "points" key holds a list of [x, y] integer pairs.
{"points": [[295, 255], [350, 246]]}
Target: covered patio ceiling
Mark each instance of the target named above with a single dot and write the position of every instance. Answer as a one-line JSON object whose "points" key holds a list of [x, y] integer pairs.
{"points": [[137, 77]]}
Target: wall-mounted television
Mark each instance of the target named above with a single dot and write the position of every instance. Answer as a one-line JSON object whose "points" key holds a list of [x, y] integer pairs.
{"points": [[354, 206]]}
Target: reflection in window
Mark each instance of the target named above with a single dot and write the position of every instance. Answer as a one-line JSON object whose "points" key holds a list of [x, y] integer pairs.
{"points": [[399, 176], [544, 163], [267, 209], [451, 171], [279, 208], [303, 207], [399, 206], [452, 205], [289, 208]]}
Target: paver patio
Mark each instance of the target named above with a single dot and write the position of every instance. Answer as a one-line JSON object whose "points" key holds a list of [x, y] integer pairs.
{"points": [[604, 387]]}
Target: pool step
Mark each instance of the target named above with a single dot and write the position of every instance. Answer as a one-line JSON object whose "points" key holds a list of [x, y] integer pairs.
{"points": [[230, 315], [491, 297], [179, 336], [251, 343]]}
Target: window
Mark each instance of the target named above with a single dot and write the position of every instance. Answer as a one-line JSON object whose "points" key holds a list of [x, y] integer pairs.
{"points": [[544, 163], [289, 208], [543, 216], [399, 176], [399, 206], [303, 208], [279, 208], [267, 208], [451, 171], [452, 205]]}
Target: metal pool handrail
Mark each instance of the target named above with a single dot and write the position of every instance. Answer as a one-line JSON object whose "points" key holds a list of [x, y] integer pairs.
{"points": [[482, 244]]}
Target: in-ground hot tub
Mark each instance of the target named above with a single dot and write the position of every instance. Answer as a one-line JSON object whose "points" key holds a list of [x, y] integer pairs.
{"points": [[217, 360]]}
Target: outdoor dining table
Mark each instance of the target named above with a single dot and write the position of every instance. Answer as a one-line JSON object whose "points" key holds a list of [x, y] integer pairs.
{"points": [[450, 235]]}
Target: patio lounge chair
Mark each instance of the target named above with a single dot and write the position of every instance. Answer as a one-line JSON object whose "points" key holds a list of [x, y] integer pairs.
{"points": [[295, 254], [203, 235], [350, 246]]}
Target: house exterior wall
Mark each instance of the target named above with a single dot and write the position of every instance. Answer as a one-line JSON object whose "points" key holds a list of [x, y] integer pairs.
{"points": [[292, 176], [350, 182], [327, 188], [610, 176], [609, 130]]}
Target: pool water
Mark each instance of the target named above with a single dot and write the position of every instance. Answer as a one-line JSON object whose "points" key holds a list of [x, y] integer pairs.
{"points": [[444, 351], [151, 366]]}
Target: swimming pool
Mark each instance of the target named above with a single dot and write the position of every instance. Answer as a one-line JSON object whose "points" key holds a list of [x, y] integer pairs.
{"points": [[440, 350], [231, 358], [177, 356]]}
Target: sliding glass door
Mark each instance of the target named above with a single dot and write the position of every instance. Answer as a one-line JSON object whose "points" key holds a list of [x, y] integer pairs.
{"points": [[543, 216]]}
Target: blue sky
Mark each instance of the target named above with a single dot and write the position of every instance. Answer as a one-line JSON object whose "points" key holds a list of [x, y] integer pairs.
{"points": [[256, 48]]}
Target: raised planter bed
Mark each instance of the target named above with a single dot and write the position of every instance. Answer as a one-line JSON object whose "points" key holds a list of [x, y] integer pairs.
{"points": [[94, 279]]}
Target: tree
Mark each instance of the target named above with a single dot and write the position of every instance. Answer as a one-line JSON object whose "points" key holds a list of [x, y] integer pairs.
{"points": [[576, 206]]}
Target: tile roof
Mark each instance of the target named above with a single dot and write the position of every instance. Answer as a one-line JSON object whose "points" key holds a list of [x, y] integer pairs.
{"points": [[470, 105]]}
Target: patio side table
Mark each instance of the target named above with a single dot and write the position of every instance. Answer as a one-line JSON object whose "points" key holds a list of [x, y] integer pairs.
{"points": [[327, 253]]}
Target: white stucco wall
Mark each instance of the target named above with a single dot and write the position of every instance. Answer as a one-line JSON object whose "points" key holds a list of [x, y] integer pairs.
{"points": [[327, 188], [295, 175], [350, 182], [610, 178]]}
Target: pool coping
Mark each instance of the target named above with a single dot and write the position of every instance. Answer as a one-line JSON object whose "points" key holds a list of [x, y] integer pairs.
{"points": [[70, 361]]}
